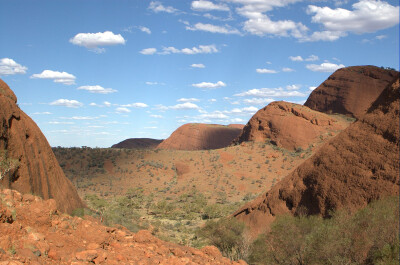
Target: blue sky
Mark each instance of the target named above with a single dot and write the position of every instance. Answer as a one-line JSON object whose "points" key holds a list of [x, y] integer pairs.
{"points": [[97, 72]]}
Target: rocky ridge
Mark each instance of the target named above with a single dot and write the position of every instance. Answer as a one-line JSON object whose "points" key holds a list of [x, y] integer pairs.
{"points": [[38, 172]]}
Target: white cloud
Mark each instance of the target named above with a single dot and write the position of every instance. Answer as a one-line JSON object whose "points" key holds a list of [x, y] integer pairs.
{"points": [[262, 25], [296, 58], [270, 92], [312, 58], [145, 29], [198, 65], [212, 100], [154, 83], [311, 88], [210, 85], [185, 106], [195, 50], [135, 105], [58, 77], [42, 113], [266, 71], [10, 67], [157, 7], [237, 120], [324, 67], [107, 104], [325, 35], [381, 37], [156, 116], [287, 69], [188, 100], [208, 6], [258, 101], [67, 103], [80, 118], [293, 87], [148, 51], [213, 28], [367, 16], [92, 41], [214, 115], [97, 89], [61, 122], [122, 110]]}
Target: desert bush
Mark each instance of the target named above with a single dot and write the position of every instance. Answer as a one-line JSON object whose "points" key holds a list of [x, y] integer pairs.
{"points": [[228, 235], [368, 236]]}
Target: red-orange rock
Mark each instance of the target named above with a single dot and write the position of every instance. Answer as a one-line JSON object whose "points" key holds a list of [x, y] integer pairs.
{"points": [[198, 136], [351, 90], [359, 165], [39, 172], [287, 125]]}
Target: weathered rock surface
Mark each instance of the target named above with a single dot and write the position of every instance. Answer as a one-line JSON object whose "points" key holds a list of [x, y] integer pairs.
{"points": [[358, 166], [198, 136], [138, 143], [39, 172], [34, 232], [351, 90], [288, 125]]}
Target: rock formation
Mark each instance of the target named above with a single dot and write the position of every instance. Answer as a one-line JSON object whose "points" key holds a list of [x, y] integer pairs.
{"points": [[32, 231], [39, 172], [138, 143], [198, 136], [350, 90], [358, 166], [287, 125]]}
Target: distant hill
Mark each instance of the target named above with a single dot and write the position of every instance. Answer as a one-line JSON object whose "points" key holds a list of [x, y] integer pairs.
{"points": [[351, 90], [199, 136], [359, 165], [288, 125], [39, 172], [138, 143]]}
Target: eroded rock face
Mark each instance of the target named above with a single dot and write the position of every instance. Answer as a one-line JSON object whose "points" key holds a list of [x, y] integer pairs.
{"points": [[287, 125], [39, 234], [358, 166], [138, 143], [39, 172], [198, 136], [350, 90]]}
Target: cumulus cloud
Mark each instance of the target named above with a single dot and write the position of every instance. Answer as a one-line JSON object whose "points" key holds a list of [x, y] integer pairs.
{"points": [[325, 35], [311, 88], [214, 115], [185, 106], [156, 116], [287, 69], [121, 110], [203, 5], [296, 58], [10, 67], [42, 113], [97, 89], [157, 7], [293, 87], [153, 83], [67, 103], [195, 50], [367, 16], [266, 71], [135, 105], [270, 92], [188, 100], [258, 101], [93, 41], [213, 28], [80, 118], [61, 122], [324, 67], [198, 65], [210, 85], [312, 58], [58, 77], [145, 29], [148, 51]]}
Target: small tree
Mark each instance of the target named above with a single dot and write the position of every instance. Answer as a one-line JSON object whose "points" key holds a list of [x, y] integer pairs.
{"points": [[6, 163]]}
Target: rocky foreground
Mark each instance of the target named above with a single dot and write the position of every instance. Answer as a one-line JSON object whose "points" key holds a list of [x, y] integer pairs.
{"points": [[33, 231]]}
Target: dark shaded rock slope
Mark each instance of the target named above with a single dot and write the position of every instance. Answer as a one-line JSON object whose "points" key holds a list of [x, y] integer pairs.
{"points": [[39, 172], [358, 166], [138, 143]]}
